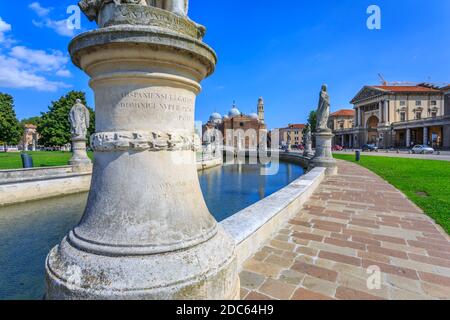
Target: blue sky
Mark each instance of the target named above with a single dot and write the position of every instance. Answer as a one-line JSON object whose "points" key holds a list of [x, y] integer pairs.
{"points": [[281, 52]]}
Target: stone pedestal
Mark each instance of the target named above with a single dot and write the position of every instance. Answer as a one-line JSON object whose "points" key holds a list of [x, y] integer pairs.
{"points": [[308, 152], [79, 157], [146, 232], [323, 156]]}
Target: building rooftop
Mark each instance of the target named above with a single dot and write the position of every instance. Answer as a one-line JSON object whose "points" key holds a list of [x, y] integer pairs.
{"points": [[344, 113], [416, 88], [296, 126]]}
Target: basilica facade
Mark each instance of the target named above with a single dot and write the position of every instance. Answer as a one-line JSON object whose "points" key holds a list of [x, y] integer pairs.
{"points": [[236, 129]]}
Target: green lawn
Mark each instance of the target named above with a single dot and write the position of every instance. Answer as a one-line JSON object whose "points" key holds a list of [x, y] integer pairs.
{"points": [[425, 182], [40, 159]]}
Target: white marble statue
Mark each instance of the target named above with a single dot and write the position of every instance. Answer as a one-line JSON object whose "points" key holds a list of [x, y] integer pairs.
{"points": [[323, 111], [307, 137], [79, 120], [92, 7]]}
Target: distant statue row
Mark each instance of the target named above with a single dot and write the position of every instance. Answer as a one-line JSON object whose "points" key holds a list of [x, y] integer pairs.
{"points": [[92, 7]]}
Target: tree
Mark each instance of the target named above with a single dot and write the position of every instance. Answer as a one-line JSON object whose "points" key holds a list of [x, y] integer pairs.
{"points": [[312, 120], [54, 126], [10, 129], [33, 120]]}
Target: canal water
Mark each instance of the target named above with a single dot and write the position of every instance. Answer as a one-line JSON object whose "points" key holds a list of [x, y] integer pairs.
{"points": [[28, 231]]}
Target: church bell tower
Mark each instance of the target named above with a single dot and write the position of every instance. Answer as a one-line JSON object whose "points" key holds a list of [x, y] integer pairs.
{"points": [[261, 110]]}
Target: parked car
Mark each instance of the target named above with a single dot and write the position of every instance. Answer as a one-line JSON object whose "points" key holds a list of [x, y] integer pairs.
{"points": [[370, 148], [337, 148], [421, 149]]}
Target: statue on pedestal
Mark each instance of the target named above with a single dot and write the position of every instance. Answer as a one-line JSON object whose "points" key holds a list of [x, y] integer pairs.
{"points": [[323, 156], [323, 111], [79, 118], [146, 232], [307, 142]]}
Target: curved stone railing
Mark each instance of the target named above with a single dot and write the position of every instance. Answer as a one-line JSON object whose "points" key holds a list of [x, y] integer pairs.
{"points": [[37, 174], [23, 185]]}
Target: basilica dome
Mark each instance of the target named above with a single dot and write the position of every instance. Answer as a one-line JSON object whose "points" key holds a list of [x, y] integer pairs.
{"points": [[215, 117], [234, 112], [253, 116]]}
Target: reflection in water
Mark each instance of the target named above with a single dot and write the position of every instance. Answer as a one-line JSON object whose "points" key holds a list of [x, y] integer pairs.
{"points": [[28, 231], [229, 189]]}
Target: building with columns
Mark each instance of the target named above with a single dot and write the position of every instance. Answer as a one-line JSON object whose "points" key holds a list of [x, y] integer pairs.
{"points": [[342, 122], [401, 116]]}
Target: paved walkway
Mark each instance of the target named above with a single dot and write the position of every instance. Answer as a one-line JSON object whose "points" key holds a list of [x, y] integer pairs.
{"points": [[354, 221]]}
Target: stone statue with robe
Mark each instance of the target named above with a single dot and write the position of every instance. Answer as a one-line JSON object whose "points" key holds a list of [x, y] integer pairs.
{"points": [[323, 110], [92, 7], [307, 142], [79, 120]]}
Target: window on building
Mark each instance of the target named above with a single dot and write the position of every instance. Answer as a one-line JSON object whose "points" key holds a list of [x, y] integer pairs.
{"points": [[433, 103], [296, 132], [241, 124], [434, 114], [418, 103], [418, 115], [341, 125], [402, 103], [402, 116]]}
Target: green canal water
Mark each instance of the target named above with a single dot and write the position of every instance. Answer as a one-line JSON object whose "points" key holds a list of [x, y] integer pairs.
{"points": [[28, 231]]}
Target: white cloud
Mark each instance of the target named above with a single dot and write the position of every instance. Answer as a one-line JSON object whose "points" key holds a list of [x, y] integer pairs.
{"points": [[13, 74], [64, 73], [22, 67], [39, 10], [59, 26], [39, 59], [4, 28]]}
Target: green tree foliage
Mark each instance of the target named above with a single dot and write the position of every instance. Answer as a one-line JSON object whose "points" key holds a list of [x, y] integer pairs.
{"points": [[10, 129], [312, 120], [54, 126], [33, 120]]}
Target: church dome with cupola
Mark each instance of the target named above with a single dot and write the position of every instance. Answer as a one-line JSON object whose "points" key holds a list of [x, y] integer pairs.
{"points": [[234, 112], [253, 116], [215, 118]]}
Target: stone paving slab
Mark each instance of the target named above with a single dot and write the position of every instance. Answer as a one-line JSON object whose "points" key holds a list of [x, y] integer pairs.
{"points": [[355, 221]]}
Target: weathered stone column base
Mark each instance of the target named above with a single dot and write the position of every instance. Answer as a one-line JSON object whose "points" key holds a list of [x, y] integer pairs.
{"points": [[324, 157], [205, 271], [80, 157]]}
